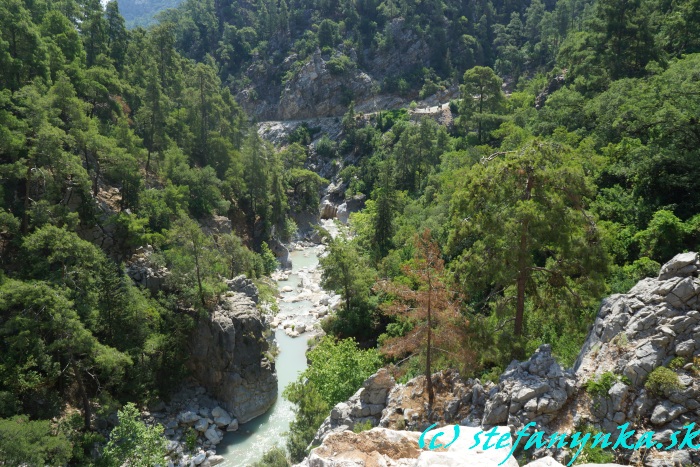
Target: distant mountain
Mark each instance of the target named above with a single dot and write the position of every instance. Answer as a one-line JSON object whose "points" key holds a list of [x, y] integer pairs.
{"points": [[142, 12]]}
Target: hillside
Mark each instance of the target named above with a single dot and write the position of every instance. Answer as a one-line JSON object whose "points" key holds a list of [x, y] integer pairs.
{"points": [[143, 12]]}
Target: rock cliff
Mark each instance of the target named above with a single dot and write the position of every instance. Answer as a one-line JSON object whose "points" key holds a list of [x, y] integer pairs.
{"points": [[227, 358]]}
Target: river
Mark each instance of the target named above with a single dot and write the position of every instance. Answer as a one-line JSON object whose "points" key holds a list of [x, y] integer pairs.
{"points": [[253, 439]]}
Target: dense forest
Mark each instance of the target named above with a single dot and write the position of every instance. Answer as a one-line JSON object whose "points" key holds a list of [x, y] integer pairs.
{"points": [[571, 171]]}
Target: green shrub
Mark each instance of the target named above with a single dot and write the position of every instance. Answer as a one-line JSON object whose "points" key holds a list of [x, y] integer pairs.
{"points": [[621, 340], [339, 64], [269, 259], [492, 375], [275, 457], [677, 363], [134, 443], [661, 381], [600, 386], [429, 88], [360, 427], [326, 148], [593, 455], [401, 423], [191, 439], [267, 293]]}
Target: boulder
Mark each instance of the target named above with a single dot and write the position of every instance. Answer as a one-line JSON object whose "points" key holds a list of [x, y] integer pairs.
{"points": [[201, 425], [188, 417], [328, 210], [199, 458], [681, 265], [214, 435]]}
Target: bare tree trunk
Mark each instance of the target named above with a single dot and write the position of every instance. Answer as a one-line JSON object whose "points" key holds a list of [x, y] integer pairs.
{"points": [[199, 277], [428, 374]]}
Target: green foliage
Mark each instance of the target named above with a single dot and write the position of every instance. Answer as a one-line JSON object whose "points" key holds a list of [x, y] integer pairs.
{"points": [[492, 375], [600, 386], [360, 427], [124, 136], [268, 292], [133, 442], [663, 238], [339, 64], [593, 455], [191, 439], [482, 102], [32, 443], [275, 457], [622, 279], [194, 263], [677, 363], [237, 258], [310, 411], [346, 272], [508, 202], [338, 368], [268, 258], [301, 134], [662, 381]]}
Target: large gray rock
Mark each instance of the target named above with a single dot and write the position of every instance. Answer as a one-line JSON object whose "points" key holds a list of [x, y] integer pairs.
{"points": [[655, 321], [354, 204], [241, 284], [227, 358], [366, 405], [534, 390], [328, 210], [145, 272], [214, 435], [683, 264]]}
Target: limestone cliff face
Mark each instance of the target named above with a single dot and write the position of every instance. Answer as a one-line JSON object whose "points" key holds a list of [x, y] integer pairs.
{"points": [[318, 87], [227, 358], [316, 91]]}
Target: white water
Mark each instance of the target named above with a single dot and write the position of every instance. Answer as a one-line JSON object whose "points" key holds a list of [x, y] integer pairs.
{"points": [[253, 439]]}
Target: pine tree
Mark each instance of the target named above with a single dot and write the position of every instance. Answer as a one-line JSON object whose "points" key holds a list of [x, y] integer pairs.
{"points": [[428, 304]]}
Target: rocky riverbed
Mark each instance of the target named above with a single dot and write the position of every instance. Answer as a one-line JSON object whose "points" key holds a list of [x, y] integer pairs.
{"points": [[302, 288]]}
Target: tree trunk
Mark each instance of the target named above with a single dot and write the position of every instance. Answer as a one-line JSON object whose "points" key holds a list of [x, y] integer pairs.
{"points": [[87, 411], [522, 265], [199, 280], [428, 375], [25, 215]]}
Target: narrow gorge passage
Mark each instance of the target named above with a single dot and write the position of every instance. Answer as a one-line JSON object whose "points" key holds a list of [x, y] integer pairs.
{"points": [[253, 439]]}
